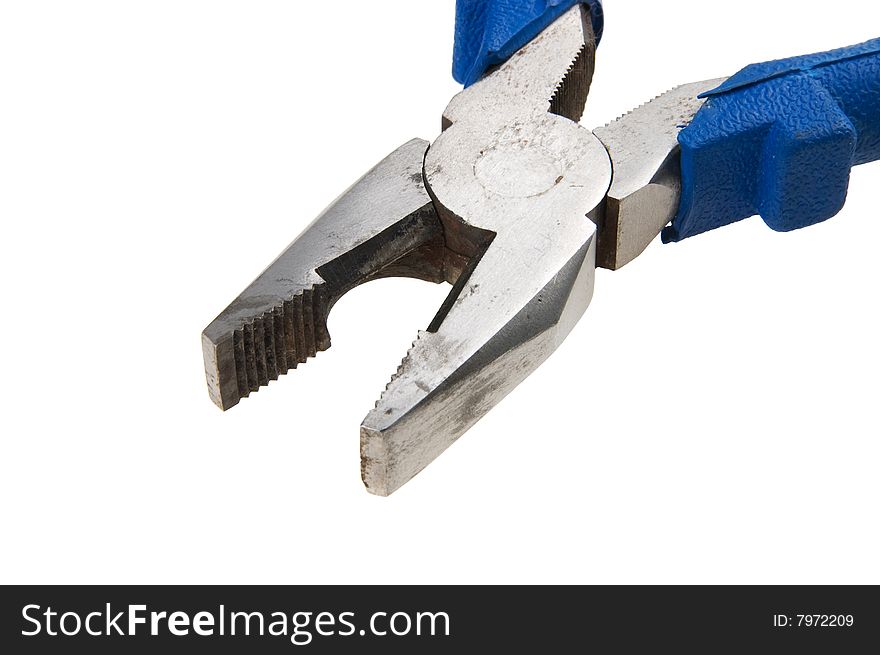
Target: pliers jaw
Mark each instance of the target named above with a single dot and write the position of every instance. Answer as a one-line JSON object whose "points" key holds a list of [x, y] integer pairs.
{"points": [[383, 225], [524, 181], [513, 178]]}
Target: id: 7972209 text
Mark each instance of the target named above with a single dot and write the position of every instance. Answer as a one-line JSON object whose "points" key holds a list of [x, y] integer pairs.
{"points": [[813, 620]]}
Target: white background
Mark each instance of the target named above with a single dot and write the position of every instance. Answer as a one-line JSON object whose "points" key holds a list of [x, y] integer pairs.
{"points": [[711, 419]]}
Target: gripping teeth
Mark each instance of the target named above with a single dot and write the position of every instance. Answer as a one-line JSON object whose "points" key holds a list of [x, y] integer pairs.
{"points": [[269, 340], [260, 352], [288, 339], [570, 95], [275, 342], [675, 107], [299, 330], [250, 355], [644, 104], [240, 362], [308, 312], [278, 341], [384, 225], [400, 368]]}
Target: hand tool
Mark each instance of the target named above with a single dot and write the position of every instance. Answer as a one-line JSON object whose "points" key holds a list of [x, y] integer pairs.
{"points": [[515, 204]]}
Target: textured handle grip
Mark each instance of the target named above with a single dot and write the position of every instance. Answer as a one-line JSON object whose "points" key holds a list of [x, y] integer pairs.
{"points": [[487, 32], [779, 139]]}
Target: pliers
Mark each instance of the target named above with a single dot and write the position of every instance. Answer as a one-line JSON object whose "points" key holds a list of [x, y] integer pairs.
{"points": [[515, 205]]}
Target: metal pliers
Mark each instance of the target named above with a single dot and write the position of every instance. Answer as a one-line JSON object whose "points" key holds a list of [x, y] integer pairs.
{"points": [[515, 204]]}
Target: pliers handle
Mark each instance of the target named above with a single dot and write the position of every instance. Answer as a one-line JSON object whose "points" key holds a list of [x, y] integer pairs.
{"points": [[779, 139]]}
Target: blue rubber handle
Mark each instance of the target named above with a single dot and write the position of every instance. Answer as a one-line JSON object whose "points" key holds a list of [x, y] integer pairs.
{"points": [[779, 139], [487, 32]]}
